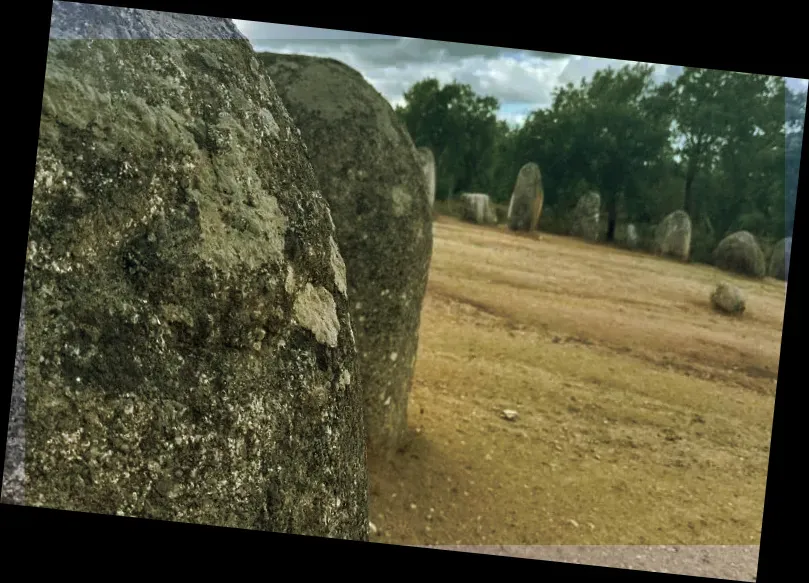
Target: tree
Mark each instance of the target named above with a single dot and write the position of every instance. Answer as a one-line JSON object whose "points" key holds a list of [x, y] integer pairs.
{"points": [[729, 131], [795, 118], [461, 129], [610, 133], [700, 121], [751, 159]]}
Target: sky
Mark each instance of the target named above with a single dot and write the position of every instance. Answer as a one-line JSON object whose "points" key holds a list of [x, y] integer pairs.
{"points": [[522, 81]]}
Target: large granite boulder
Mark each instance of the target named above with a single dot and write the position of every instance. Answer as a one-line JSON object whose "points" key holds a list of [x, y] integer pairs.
{"points": [[477, 208], [189, 350], [740, 252], [525, 206], [371, 174]]}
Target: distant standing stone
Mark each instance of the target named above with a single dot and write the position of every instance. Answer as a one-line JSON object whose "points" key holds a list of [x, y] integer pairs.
{"points": [[779, 260], [632, 236], [477, 208], [586, 217], [525, 206], [673, 235]]}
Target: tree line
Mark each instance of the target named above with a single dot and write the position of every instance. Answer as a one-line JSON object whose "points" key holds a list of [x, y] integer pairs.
{"points": [[723, 146]]}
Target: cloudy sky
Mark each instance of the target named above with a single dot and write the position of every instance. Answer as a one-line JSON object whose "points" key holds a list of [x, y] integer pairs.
{"points": [[521, 80]]}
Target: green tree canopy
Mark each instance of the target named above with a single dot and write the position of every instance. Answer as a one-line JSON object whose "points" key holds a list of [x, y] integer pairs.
{"points": [[462, 130]]}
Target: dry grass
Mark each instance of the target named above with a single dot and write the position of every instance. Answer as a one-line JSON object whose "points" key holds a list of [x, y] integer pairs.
{"points": [[644, 416]]}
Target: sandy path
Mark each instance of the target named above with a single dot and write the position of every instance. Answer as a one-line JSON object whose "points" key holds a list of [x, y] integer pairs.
{"points": [[736, 563]]}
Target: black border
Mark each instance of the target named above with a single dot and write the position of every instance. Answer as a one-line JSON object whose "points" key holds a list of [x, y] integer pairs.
{"points": [[755, 42]]}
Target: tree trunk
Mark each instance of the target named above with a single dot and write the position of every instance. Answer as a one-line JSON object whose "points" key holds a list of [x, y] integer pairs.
{"points": [[688, 199], [612, 217]]}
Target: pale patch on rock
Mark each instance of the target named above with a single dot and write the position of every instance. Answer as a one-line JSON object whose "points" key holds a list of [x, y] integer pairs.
{"points": [[315, 310], [289, 284], [338, 266], [401, 201], [268, 123]]}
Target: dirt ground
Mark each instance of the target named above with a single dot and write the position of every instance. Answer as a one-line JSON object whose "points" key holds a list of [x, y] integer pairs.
{"points": [[644, 417], [737, 563]]}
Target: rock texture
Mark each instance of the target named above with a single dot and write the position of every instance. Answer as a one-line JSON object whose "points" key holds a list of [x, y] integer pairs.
{"points": [[74, 21], [370, 172], [739, 252], [779, 260], [428, 164], [586, 217], [673, 235], [525, 206], [477, 208], [189, 351], [13, 491], [728, 298]]}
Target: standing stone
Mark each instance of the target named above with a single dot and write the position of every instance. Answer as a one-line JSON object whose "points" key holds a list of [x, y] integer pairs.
{"points": [[779, 260], [189, 352], [673, 235], [728, 298], [586, 217], [632, 236], [525, 206], [371, 174], [428, 164], [740, 252], [477, 208]]}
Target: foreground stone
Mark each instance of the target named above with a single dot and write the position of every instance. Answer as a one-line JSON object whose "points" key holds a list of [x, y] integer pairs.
{"points": [[428, 165], [370, 172], [525, 206], [477, 208], [673, 236], [779, 260], [189, 352], [740, 253], [728, 298], [586, 217]]}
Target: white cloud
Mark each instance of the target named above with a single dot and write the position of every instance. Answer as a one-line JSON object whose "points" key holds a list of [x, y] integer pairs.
{"points": [[521, 80], [392, 64]]}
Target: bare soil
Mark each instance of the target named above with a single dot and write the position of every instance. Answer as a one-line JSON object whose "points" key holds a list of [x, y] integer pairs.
{"points": [[644, 416], [737, 563]]}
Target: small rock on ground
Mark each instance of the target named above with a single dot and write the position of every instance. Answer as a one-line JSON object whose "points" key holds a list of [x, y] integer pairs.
{"points": [[510, 415]]}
